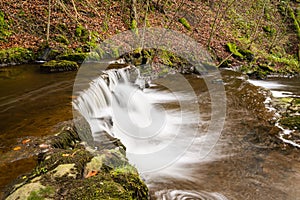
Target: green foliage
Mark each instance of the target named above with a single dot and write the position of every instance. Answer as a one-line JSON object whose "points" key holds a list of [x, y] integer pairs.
{"points": [[296, 22], [185, 23], [115, 52], [16, 55], [134, 27], [234, 50], [3, 27], [290, 63], [62, 39], [82, 33], [133, 24], [268, 29]]}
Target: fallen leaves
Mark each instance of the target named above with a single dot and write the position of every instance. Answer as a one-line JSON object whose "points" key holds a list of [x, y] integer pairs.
{"points": [[17, 148], [70, 155], [92, 173], [26, 141]]}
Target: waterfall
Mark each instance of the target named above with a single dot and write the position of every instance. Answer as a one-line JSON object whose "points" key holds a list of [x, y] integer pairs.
{"points": [[108, 92]]}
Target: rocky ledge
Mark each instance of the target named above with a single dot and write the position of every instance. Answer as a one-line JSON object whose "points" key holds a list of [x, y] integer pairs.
{"points": [[69, 170]]}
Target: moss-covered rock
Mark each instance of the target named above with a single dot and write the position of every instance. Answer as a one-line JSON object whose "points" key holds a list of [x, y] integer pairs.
{"points": [[16, 55], [28, 191], [59, 66], [70, 171], [76, 57], [292, 122]]}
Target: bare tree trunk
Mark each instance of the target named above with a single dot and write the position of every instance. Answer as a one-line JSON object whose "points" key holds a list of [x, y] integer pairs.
{"points": [[49, 18]]}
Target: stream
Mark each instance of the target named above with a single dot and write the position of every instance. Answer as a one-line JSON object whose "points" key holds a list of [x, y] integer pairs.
{"points": [[241, 162]]}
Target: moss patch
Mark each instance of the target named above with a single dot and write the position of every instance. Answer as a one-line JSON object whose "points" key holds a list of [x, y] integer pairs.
{"points": [[16, 55], [59, 66], [291, 122], [185, 23], [62, 170]]}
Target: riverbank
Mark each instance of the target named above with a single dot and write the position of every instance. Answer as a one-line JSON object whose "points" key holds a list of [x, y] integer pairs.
{"points": [[66, 169]]}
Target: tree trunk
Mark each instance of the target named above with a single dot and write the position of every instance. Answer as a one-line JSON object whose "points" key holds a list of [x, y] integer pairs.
{"points": [[48, 23]]}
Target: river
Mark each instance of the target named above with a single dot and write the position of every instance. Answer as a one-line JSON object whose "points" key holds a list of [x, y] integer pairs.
{"points": [[244, 162]]}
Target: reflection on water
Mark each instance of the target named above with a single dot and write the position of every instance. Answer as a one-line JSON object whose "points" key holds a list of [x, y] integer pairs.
{"points": [[31, 104], [238, 167]]}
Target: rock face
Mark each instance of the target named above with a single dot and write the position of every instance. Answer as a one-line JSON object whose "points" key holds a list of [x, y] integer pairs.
{"points": [[69, 171]]}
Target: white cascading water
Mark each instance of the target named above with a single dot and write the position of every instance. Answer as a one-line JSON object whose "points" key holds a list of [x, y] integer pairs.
{"points": [[96, 103], [115, 104]]}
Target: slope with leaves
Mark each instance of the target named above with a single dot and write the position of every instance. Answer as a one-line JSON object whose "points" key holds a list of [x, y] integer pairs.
{"points": [[262, 27]]}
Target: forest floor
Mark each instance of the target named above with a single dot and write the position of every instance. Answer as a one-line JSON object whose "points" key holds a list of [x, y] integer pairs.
{"points": [[255, 35]]}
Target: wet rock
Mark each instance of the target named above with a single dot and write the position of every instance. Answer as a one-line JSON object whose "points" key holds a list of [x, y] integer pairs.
{"points": [[59, 66], [25, 191], [64, 170]]}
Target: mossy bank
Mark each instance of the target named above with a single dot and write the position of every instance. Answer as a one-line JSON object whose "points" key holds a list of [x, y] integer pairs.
{"points": [[70, 171]]}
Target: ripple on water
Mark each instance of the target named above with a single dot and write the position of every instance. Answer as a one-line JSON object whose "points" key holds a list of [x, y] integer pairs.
{"points": [[186, 194]]}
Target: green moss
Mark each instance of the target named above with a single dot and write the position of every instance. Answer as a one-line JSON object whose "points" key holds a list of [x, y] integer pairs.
{"points": [[266, 67], [115, 52], [41, 194], [62, 39], [185, 23], [99, 51], [296, 101], [286, 100], [59, 66], [92, 56], [269, 30], [249, 55], [291, 122], [128, 177], [82, 33], [76, 57], [291, 64], [16, 55]]}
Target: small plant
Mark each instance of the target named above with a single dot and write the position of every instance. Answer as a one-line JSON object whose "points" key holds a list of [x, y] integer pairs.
{"points": [[185, 23], [234, 50]]}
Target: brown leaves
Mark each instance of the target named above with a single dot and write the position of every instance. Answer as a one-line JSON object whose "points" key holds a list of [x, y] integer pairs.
{"points": [[26, 141], [92, 173], [17, 148]]}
